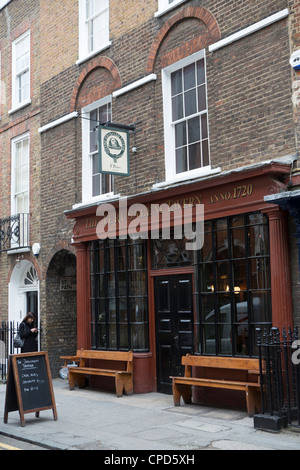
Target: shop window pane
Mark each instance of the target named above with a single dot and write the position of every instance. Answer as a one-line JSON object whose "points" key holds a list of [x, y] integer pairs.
{"points": [[137, 283], [209, 339], [224, 307], [238, 245], [258, 240], [225, 339], [123, 336], [241, 308], [139, 337], [138, 309], [223, 279], [261, 307], [259, 278], [208, 308], [241, 332], [100, 286], [207, 254], [123, 317], [101, 331], [207, 277], [112, 314], [137, 259], [112, 336], [222, 245], [240, 275], [122, 283]]}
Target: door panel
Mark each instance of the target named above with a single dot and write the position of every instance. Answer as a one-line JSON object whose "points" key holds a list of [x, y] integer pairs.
{"points": [[174, 326]]}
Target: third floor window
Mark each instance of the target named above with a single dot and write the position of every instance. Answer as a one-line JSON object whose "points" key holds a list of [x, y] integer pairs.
{"points": [[93, 26], [21, 70]]}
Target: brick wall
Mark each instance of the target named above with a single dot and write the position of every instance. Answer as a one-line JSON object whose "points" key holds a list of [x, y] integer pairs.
{"points": [[249, 94]]}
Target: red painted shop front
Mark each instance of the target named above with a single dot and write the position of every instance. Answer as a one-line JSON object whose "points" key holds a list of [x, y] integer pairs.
{"points": [[160, 300]]}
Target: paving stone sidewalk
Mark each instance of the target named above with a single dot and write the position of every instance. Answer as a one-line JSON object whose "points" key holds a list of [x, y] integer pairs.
{"points": [[96, 420]]}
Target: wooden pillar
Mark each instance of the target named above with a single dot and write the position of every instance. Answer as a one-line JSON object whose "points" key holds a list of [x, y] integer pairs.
{"points": [[83, 315], [282, 308]]}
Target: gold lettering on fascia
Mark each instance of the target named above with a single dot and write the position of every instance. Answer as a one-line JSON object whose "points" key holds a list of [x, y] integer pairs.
{"points": [[236, 193], [245, 190]]}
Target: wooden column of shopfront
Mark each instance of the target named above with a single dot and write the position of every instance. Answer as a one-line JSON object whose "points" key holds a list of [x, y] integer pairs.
{"points": [[83, 317], [282, 311]]}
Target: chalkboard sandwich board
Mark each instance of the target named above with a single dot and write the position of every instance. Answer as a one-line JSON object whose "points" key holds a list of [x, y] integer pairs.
{"points": [[29, 386]]}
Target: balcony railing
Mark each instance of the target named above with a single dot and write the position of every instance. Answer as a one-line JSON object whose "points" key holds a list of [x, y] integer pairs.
{"points": [[14, 232]]}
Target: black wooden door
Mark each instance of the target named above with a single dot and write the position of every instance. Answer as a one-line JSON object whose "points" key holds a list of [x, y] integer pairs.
{"points": [[174, 326], [32, 306]]}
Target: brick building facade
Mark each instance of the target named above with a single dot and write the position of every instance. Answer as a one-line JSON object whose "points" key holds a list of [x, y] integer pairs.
{"points": [[209, 88]]}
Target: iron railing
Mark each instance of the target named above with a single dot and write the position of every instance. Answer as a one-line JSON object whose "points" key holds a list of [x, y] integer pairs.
{"points": [[279, 357], [8, 330], [14, 232]]}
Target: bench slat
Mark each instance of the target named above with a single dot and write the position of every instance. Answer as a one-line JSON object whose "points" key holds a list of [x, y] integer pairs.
{"points": [[92, 371], [221, 362], [226, 384]]}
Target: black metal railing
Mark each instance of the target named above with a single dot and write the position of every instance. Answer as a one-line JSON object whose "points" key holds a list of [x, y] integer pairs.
{"points": [[8, 330], [14, 232], [279, 356]]}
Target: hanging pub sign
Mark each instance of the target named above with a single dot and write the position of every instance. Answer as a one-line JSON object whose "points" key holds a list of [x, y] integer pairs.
{"points": [[114, 150]]}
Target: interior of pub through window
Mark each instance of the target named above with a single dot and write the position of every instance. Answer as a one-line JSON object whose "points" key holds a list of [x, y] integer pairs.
{"points": [[232, 285]]}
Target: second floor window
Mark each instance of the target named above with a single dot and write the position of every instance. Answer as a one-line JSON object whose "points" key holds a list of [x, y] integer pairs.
{"points": [[21, 70], [186, 117]]}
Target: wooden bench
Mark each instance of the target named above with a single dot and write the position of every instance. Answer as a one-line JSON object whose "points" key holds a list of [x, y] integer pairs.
{"points": [[182, 386], [123, 378]]}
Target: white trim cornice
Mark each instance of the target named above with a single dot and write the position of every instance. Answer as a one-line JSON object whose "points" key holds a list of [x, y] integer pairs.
{"points": [[58, 122], [251, 29]]}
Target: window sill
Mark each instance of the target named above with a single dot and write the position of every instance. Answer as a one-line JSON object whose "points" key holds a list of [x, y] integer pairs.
{"points": [[187, 177], [19, 107], [97, 200], [92, 54], [15, 251], [168, 8]]}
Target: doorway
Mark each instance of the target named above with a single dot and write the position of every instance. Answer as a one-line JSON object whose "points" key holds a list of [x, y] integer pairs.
{"points": [[32, 305], [174, 326]]}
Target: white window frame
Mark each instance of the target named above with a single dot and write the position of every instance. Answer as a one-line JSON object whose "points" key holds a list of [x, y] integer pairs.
{"points": [[169, 128], [14, 143], [164, 6], [87, 169], [16, 102], [84, 52], [24, 220]]}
